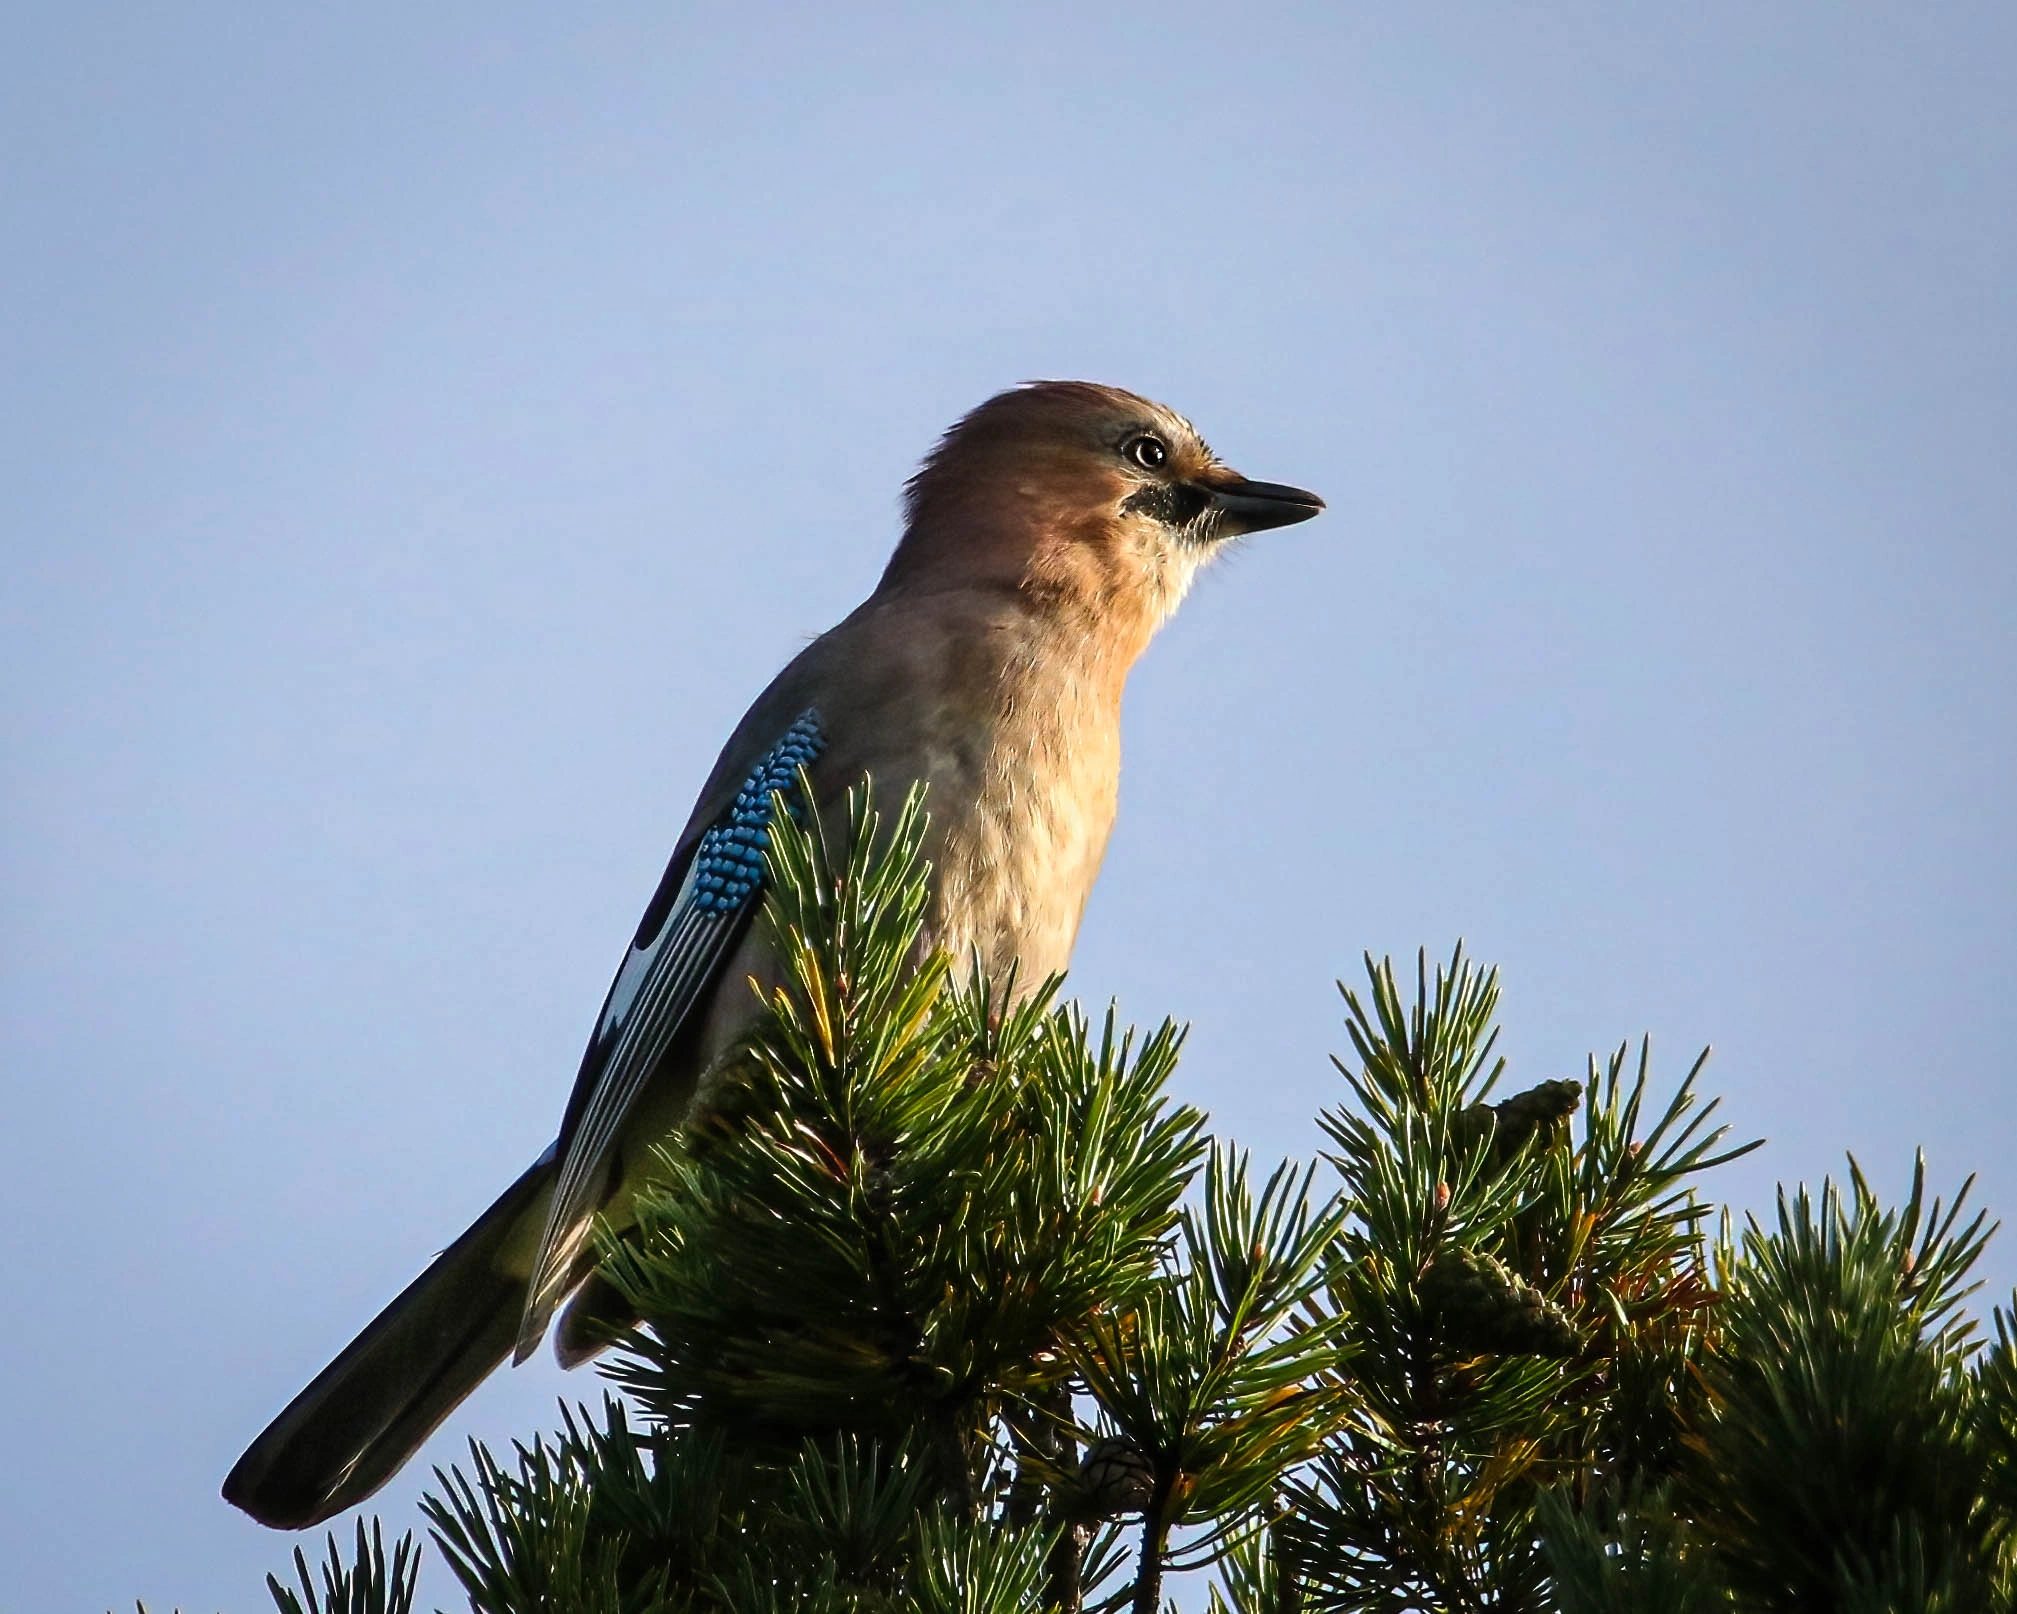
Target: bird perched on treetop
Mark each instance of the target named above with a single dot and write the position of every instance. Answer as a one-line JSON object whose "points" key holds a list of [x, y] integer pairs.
{"points": [[1049, 535]]}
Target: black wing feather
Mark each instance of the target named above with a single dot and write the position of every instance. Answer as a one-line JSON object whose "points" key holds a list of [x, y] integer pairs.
{"points": [[693, 923]]}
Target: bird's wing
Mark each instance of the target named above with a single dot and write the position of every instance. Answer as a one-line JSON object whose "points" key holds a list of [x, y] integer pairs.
{"points": [[701, 907]]}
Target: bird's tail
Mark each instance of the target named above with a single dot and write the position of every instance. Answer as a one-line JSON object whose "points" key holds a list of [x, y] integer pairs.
{"points": [[370, 1409]]}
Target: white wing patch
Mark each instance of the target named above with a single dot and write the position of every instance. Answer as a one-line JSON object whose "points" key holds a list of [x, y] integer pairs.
{"points": [[637, 966], [655, 990]]}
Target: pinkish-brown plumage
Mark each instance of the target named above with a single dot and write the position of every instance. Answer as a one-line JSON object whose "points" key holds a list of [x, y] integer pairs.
{"points": [[1049, 535], [990, 660]]}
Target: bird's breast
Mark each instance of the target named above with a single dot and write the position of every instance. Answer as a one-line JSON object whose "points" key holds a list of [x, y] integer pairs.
{"points": [[1021, 831]]}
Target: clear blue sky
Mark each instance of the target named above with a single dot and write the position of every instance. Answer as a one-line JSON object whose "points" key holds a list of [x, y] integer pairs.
{"points": [[422, 434]]}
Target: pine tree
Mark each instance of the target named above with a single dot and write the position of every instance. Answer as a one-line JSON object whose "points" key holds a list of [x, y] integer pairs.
{"points": [[949, 1306], [1852, 1451]]}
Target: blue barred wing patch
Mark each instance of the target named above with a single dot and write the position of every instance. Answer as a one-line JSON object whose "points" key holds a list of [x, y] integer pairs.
{"points": [[654, 995], [728, 867]]}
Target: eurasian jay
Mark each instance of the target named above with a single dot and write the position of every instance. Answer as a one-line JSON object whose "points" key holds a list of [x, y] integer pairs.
{"points": [[1048, 536]]}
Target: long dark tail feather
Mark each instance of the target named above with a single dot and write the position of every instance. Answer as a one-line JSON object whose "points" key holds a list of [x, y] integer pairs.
{"points": [[368, 1411]]}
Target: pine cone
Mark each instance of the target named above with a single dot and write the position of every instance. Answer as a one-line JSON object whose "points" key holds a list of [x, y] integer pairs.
{"points": [[1537, 1109], [1511, 1122], [1114, 1479], [1483, 1307]]}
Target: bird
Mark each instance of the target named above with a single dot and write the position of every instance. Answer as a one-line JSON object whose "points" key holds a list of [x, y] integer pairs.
{"points": [[1047, 536]]}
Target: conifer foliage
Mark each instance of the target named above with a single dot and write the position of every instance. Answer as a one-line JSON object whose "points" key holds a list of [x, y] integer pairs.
{"points": [[950, 1307]]}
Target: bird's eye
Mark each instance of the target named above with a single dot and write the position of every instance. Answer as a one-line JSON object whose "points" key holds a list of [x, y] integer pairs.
{"points": [[1146, 451]]}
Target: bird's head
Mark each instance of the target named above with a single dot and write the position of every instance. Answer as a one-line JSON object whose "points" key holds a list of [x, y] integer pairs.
{"points": [[1084, 499]]}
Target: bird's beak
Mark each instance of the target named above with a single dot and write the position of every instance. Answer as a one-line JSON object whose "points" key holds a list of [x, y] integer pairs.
{"points": [[1245, 506]]}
